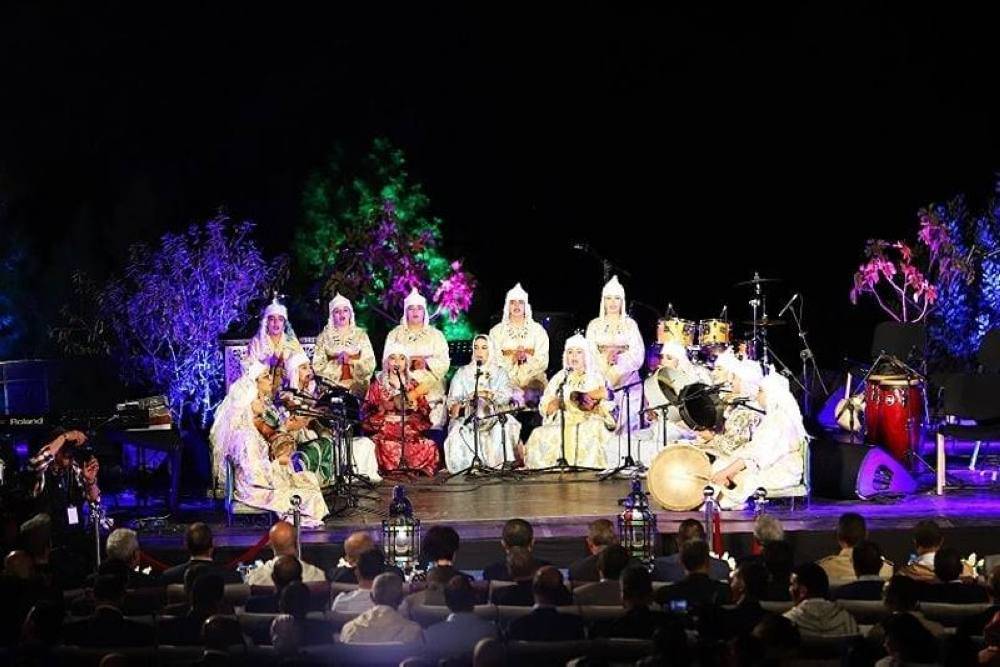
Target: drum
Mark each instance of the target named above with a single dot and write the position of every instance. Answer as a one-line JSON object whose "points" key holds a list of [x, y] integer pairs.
{"points": [[894, 413], [678, 477], [676, 330], [701, 409], [713, 332]]}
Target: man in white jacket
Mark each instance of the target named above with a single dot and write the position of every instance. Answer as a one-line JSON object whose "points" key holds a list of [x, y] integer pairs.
{"points": [[813, 613]]}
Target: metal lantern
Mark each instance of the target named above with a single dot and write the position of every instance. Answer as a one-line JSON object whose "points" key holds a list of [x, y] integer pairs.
{"points": [[637, 524], [401, 532]]}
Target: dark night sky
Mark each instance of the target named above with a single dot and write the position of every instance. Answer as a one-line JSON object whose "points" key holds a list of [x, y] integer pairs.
{"points": [[692, 146]]}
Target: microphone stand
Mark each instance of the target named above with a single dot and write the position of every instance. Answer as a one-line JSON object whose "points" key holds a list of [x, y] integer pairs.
{"points": [[807, 357], [477, 466], [402, 467], [561, 464], [628, 463]]}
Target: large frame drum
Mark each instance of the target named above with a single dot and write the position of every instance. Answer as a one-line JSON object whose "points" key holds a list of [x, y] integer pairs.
{"points": [[678, 477]]}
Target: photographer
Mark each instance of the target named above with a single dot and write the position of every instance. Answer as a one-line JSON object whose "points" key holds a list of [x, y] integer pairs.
{"points": [[65, 478]]}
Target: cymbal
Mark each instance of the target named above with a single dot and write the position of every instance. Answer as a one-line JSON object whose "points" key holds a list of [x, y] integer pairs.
{"points": [[764, 323], [757, 281]]}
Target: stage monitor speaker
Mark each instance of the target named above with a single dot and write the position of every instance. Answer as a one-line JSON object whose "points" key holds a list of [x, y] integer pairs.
{"points": [[846, 470]]}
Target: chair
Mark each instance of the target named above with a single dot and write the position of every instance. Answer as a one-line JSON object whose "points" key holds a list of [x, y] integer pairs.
{"points": [[235, 509], [865, 612], [800, 490], [548, 653], [968, 397], [951, 615], [363, 654]]}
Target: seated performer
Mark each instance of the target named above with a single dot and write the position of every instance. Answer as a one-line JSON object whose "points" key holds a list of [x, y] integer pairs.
{"points": [[275, 341], [620, 349], [398, 442], [496, 440], [344, 354], [772, 458], [315, 442], [589, 419], [741, 417], [261, 479], [427, 353]]}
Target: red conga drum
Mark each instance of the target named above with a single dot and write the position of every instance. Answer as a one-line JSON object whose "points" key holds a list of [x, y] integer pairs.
{"points": [[894, 412]]}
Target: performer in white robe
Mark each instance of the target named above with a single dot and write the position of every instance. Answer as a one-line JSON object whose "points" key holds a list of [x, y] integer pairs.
{"points": [[620, 352], [772, 458], [589, 418], [495, 390], [275, 341], [672, 366], [259, 481], [315, 449], [427, 352], [344, 354], [521, 347]]}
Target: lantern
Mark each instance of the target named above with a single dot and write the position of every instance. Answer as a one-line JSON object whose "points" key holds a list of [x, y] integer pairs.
{"points": [[401, 532], [637, 525]]}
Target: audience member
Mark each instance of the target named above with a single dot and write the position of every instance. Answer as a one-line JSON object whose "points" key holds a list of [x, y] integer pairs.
{"points": [[383, 622], [949, 586], [697, 590], [746, 589], [600, 534], [108, 626], [851, 531], [611, 562], [456, 637], [368, 566], [521, 568], [284, 571], [638, 621], [670, 569], [516, 533], [283, 543], [198, 540], [867, 561], [813, 613], [544, 622]]}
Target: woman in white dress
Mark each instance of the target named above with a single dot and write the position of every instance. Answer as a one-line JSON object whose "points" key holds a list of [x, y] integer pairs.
{"points": [[344, 355], [521, 347], [275, 341], [495, 391], [235, 435], [772, 457], [315, 446], [589, 416], [427, 354]]}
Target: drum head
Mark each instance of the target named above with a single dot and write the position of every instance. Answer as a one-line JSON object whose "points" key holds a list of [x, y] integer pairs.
{"points": [[678, 477], [701, 409]]}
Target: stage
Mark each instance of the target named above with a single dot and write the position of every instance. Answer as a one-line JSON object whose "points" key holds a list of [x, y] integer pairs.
{"points": [[560, 507]]}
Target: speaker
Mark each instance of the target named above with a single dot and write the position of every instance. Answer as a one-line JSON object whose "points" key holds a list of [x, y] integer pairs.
{"points": [[844, 470]]}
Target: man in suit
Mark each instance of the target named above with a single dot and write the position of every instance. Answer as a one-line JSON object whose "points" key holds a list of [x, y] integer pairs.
{"points": [[697, 589], [608, 591], [206, 601], [516, 533], [286, 570], [670, 569], [545, 623], [356, 544], [839, 567], [198, 539], [950, 587], [638, 621], [107, 626], [600, 534], [746, 588], [866, 558], [521, 568]]}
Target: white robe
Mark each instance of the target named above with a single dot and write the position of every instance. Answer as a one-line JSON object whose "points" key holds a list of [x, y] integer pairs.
{"points": [[430, 343], [586, 432], [620, 332], [530, 335], [352, 340], [460, 443]]}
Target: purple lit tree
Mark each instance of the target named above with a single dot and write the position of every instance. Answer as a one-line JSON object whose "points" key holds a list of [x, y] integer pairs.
{"points": [[165, 314]]}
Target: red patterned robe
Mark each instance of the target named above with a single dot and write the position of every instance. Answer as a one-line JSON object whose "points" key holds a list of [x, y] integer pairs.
{"points": [[385, 428]]}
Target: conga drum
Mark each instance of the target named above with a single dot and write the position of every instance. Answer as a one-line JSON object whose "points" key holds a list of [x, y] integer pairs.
{"points": [[678, 477], [894, 413]]}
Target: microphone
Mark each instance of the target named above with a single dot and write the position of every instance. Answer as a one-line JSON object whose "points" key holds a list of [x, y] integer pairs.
{"points": [[789, 304]]}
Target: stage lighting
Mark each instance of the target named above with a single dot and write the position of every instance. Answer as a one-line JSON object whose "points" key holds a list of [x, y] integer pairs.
{"points": [[401, 532], [637, 524]]}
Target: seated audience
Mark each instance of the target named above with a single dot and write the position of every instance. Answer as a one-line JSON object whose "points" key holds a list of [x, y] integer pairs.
{"points": [[383, 622], [283, 543], [907, 642], [456, 637], [638, 621], [813, 613], [368, 566], [779, 559], [746, 588], [670, 569], [284, 571], [927, 540], [600, 534], [697, 589], [355, 545], [521, 567], [516, 533], [778, 640], [219, 634], [123, 546], [292, 628], [611, 562], [972, 626], [108, 626], [198, 540], [866, 559], [545, 623], [948, 585], [206, 601], [851, 531]]}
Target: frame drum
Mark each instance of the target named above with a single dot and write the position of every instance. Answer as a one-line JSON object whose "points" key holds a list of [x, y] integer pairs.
{"points": [[678, 477]]}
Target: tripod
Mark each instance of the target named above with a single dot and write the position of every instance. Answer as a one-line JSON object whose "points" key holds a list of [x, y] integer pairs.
{"points": [[628, 463], [561, 464]]}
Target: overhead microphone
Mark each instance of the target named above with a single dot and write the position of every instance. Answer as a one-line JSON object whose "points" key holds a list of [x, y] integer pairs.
{"points": [[789, 304]]}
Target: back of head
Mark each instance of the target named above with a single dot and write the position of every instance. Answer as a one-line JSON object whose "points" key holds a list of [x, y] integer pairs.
{"points": [[198, 539], [779, 558], [439, 543], [19, 564], [866, 556], [813, 579], [548, 585], [387, 589], [36, 535], [767, 529], [518, 533], [115, 568], [694, 556], [777, 633], [370, 564], [755, 578], [282, 539], [356, 544], [122, 544], [907, 639], [109, 589], [612, 561], [637, 584], [689, 529], [851, 529], [286, 570], [520, 563], [208, 591], [927, 535], [947, 564], [44, 622], [459, 595], [294, 600], [601, 533], [439, 576], [218, 633], [901, 594]]}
